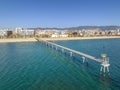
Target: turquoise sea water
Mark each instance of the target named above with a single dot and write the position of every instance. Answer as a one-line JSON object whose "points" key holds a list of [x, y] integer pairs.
{"points": [[33, 66]]}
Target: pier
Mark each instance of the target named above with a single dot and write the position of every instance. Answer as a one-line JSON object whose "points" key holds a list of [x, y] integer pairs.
{"points": [[104, 60]]}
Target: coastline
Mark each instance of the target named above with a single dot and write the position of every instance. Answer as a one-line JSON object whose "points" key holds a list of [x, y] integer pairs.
{"points": [[54, 39], [17, 40], [80, 38]]}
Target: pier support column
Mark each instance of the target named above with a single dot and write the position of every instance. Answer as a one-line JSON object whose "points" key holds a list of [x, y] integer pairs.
{"points": [[83, 59], [62, 50], [52, 46], [105, 65], [56, 48], [46, 44], [71, 54]]}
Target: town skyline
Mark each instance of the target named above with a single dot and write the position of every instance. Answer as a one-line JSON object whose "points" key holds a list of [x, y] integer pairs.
{"points": [[58, 13]]}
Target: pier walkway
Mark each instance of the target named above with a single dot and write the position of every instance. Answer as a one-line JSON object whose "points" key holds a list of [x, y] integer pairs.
{"points": [[104, 62]]}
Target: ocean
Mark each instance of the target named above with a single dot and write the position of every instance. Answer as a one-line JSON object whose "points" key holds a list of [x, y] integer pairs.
{"points": [[33, 66]]}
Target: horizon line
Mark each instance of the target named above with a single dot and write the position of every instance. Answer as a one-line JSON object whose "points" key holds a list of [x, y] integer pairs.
{"points": [[64, 27]]}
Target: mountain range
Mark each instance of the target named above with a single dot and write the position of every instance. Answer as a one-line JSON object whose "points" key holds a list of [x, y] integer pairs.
{"points": [[84, 27]]}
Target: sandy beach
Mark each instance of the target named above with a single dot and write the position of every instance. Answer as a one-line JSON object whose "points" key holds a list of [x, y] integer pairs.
{"points": [[68, 38], [17, 40], [81, 38]]}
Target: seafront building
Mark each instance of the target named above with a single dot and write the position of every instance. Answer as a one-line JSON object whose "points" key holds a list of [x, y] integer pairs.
{"points": [[25, 32], [54, 33], [3, 33], [57, 35]]}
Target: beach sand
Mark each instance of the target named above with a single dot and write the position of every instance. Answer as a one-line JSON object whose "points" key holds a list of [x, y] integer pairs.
{"points": [[68, 38], [80, 38], [17, 40]]}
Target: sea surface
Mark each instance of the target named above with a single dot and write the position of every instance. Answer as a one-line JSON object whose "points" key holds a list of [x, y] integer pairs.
{"points": [[34, 66]]}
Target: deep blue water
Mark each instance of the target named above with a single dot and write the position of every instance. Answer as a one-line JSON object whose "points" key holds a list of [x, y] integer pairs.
{"points": [[33, 66]]}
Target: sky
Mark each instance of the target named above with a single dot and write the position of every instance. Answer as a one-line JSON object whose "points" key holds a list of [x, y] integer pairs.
{"points": [[58, 13]]}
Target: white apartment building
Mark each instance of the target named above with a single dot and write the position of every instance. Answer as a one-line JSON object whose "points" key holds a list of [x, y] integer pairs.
{"points": [[3, 32], [55, 35], [24, 31]]}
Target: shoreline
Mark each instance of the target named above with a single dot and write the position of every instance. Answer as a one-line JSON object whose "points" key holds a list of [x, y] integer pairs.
{"points": [[54, 39], [80, 38], [17, 40]]}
